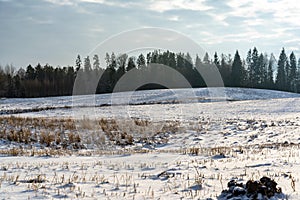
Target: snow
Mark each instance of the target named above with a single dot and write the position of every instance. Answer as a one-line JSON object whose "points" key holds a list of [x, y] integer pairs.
{"points": [[231, 134], [140, 97]]}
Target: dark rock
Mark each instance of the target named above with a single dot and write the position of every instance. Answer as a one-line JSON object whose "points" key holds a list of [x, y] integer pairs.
{"points": [[252, 186], [231, 183], [266, 187], [237, 191]]}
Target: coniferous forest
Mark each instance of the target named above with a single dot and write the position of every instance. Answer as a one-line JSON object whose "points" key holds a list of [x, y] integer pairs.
{"points": [[257, 70]]}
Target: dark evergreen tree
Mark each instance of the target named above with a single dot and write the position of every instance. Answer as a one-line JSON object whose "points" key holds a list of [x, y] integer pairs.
{"points": [[293, 73], [264, 71], [131, 63], [2, 82], [260, 71], [270, 72], [87, 64], [216, 60], [30, 73], [113, 62], [249, 69], [107, 60], [225, 70], [78, 63], [188, 60], [141, 61], [206, 59], [96, 63], [49, 81], [172, 60], [237, 74], [281, 74], [154, 57], [180, 62], [39, 73], [121, 65], [149, 58], [198, 61], [254, 69]]}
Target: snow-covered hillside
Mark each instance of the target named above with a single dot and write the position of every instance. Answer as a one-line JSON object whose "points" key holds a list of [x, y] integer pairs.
{"points": [[9, 106], [160, 144]]}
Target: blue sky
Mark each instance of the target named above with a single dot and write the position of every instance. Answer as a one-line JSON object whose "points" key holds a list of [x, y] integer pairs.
{"points": [[55, 31]]}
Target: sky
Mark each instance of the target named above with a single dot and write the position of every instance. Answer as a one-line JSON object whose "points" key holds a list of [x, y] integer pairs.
{"points": [[56, 31]]}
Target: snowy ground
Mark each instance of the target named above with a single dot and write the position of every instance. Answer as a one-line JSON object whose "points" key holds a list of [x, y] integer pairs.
{"points": [[208, 142]]}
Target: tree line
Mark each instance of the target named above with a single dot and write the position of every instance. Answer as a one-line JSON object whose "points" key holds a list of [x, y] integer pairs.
{"points": [[258, 70]]}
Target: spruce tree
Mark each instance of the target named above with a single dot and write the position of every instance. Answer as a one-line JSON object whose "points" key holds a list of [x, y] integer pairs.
{"points": [[206, 58], [121, 65], [216, 60], [78, 63], [293, 72], [249, 69], [237, 72], [255, 72], [130, 64], [141, 61], [87, 64], [96, 63], [281, 74], [270, 72]]}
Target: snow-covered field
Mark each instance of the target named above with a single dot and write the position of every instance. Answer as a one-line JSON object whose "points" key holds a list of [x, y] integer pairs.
{"points": [[184, 144]]}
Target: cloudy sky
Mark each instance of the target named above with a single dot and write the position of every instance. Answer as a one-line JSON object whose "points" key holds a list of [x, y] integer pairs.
{"points": [[55, 31]]}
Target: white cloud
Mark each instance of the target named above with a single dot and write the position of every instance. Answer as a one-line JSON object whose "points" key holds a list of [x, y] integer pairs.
{"points": [[39, 21], [284, 11], [292, 48], [219, 18], [174, 18], [166, 5], [294, 40], [61, 2], [123, 4]]}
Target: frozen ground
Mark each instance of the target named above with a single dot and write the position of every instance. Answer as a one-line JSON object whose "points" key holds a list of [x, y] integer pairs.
{"points": [[209, 141], [11, 106]]}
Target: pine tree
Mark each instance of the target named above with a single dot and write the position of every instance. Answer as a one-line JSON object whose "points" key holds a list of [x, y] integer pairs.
{"points": [[121, 62], [78, 63], [255, 73], [188, 61], [39, 72], [225, 70], [264, 71], [130, 64], [30, 73], [198, 61], [113, 62], [287, 74], [298, 77], [96, 63], [87, 64], [216, 60], [270, 72], [154, 57], [107, 60], [281, 74], [293, 72], [261, 71], [250, 73], [141, 61], [149, 58], [172, 60], [180, 62], [237, 73], [206, 58]]}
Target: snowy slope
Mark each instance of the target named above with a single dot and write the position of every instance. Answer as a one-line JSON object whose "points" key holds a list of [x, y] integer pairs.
{"points": [[254, 134], [51, 104]]}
